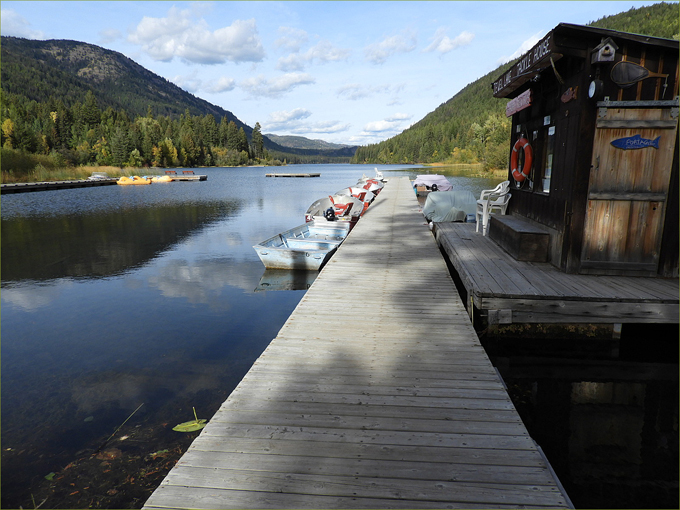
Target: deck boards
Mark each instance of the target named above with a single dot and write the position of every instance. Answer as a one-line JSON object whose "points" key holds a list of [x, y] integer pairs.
{"points": [[534, 292], [375, 394]]}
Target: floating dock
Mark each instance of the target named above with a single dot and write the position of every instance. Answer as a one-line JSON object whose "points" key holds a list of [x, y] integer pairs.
{"points": [[292, 175], [189, 177], [507, 291], [24, 187], [376, 393]]}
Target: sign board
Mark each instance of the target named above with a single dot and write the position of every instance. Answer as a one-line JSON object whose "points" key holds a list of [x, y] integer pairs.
{"points": [[531, 62], [518, 104]]}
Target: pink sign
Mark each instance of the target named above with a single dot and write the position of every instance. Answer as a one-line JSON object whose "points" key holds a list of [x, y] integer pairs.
{"points": [[519, 103]]}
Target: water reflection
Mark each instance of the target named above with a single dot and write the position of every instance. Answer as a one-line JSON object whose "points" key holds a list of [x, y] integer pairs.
{"points": [[101, 244], [608, 422], [282, 279]]}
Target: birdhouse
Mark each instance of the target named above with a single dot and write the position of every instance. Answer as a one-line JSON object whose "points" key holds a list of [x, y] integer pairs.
{"points": [[604, 52]]}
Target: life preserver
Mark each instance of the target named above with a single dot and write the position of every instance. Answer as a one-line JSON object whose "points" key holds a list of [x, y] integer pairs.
{"points": [[520, 174]]}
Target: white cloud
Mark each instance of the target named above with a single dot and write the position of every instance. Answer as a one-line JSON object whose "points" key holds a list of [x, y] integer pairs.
{"points": [[15, 25], [222, 85], [292, 122], [189, 83], [261, 86], [526, 46], [179, 35], [284, 116], [329, 126], [322, 53], [392, 124], [292, 39], [398, 117], [355, 91], [378, 53], [442, 43]]}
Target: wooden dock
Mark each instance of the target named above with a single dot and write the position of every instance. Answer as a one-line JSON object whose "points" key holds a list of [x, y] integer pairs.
{"points": [[292, 175], [24, 187], [506, 291], [376, 393]]}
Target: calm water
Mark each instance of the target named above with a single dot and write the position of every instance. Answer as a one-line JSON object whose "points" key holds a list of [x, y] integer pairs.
{"points": [[118, 296]]}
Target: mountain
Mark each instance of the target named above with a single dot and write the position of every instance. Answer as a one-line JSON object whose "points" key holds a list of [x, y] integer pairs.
{"points": [[472, 126], [300, 142], [67, 70]]}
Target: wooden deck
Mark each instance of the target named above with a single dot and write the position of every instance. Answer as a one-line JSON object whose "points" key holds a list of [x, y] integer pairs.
{"points": [[507, 291], [376, 393], [24, 187]]}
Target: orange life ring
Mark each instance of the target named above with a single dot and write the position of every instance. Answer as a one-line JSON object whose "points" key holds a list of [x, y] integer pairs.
{"points": [[519, 174]]}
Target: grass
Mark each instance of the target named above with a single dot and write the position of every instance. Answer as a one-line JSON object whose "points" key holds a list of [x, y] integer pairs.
{"points": [[44, 174], [468, 170]]}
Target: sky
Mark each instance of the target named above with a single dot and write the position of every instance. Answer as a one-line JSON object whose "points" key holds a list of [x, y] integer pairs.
{"points": [[345, 72]]}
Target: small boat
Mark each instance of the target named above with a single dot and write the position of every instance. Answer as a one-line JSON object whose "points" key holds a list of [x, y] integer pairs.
{"points": [[361, 193], [98, 176], [134, 180], [306, 246], [424, 184], [336, 207], [448, 206], [372, 185], [160, 178]]}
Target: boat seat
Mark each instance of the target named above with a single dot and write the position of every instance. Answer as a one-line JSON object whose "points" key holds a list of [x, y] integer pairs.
{"points": [[342, 209]]}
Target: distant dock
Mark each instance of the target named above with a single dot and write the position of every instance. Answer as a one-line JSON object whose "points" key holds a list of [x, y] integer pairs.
{"points": [[24, 187], [293, 175]]}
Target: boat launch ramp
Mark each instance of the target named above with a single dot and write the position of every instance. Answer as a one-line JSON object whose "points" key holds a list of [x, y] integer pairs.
{"points": [[376, 393]]}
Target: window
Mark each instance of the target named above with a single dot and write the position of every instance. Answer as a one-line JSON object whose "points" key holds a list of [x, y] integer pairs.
{"points": [[548, 160]]}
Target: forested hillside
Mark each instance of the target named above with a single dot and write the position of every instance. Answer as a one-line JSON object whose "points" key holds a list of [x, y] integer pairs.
{"points": [[81, 104], [471, 127]]}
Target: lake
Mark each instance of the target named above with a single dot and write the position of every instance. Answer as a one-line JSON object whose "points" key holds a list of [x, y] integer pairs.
{"points": [[118, 296]]}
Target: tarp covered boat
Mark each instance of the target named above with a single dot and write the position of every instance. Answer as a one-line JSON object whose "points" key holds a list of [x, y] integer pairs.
{"points": [[306, 246], [424, 184], [446, 206]]}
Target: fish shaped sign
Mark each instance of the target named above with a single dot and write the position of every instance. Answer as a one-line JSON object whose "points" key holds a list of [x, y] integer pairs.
{"points": [[635, 142]]}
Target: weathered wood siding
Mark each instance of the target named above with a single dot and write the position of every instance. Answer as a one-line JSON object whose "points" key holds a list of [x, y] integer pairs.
{"points": [[560, 100]]}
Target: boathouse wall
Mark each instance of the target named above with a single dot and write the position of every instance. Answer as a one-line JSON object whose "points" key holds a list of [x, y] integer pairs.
{"points": [[608, 210]]}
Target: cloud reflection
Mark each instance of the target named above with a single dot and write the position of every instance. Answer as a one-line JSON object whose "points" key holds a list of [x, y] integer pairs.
{"points": [[205, 282], [30, 298]]}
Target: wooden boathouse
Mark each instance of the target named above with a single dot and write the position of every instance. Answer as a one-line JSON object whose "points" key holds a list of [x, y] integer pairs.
{"points": [[598, 111], [590, 234], [372, 395]]}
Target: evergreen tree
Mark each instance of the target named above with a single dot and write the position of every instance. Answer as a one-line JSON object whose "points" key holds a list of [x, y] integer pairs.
{"points": [[258, 141]]}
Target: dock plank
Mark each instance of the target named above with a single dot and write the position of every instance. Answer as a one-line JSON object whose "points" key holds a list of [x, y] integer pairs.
{"points": [[546, 294], [376, 393]]}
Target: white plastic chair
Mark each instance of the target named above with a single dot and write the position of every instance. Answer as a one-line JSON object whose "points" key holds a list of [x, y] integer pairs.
{"points": [[491, 201]]}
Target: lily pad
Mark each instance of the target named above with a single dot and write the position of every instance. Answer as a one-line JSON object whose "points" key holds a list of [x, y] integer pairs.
{"points": [[189, 426]]}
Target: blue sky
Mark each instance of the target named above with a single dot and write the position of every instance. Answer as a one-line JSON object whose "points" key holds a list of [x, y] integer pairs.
{"points": [[344, 72]]}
